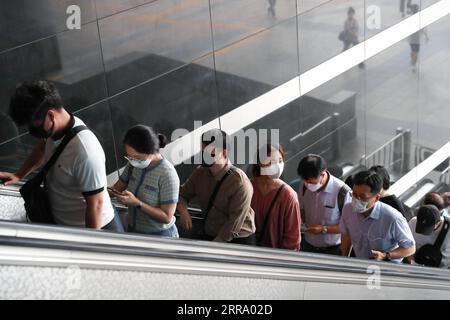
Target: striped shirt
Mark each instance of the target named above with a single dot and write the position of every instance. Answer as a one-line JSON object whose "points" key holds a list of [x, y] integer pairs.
{"points": [[155, 185]]}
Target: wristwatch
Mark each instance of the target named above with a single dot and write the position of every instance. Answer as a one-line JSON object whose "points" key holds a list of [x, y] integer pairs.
{"points": [[139, 205], [387, 256], [324, 229]]}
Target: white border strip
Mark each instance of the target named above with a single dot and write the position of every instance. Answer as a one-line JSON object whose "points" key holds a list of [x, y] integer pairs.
{"points": [[419, 172], [293, 89]]}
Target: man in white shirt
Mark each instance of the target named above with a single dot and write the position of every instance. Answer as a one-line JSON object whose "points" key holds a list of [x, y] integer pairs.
{"points": [[426, 227], [321, 197], [76, 182]]}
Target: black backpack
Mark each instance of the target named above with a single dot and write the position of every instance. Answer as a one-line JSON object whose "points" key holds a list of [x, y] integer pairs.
{"points": [[35, 196], [430, 255]]}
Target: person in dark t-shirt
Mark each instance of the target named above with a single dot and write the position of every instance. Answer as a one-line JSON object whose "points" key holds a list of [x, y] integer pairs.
{"points": [[386, 197]]}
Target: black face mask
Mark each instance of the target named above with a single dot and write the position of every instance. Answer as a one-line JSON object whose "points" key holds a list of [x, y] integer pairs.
{"points": [[40, 132], [206, 165]]}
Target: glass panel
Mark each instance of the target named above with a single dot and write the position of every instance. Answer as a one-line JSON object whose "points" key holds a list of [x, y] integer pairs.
{"points": [[167, 103], [233, 20], [320, 27], [72, 60], [257, 64], [22, 21], [306, 5], [433, 111], [109, 7], [153, 39]]}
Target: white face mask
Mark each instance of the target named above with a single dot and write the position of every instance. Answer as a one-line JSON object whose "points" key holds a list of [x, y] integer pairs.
{"points": [[274, 170], [139, 164], [313, 187], [359, 206]]}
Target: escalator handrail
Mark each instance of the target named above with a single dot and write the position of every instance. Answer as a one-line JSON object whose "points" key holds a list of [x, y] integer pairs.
{"points": [[73, 239]]}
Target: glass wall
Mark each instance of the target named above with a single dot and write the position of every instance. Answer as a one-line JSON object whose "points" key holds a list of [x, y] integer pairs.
{"points": [[168, 63]]}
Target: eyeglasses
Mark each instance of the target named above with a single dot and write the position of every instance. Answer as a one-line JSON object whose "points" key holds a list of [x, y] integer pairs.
{"points": [[132, 159]]}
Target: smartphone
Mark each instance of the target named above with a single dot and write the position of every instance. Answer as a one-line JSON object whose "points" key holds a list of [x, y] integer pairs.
{"points": [[114, 191]]}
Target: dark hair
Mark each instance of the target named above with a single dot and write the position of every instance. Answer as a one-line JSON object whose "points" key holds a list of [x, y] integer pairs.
{"points": [[370, 179], [435, 199], [351, 10], [210, 136], [349, 181], [311, 166], [384, 175], [144, 140], [256, 168], [446, 197], [32, 99]]}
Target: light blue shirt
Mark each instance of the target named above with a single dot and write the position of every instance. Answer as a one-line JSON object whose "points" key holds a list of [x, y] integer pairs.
{"points": [[385, 229], [321, 208]]}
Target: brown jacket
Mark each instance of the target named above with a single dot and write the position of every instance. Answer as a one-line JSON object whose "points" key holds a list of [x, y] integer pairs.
{"points": [[231, 215]]}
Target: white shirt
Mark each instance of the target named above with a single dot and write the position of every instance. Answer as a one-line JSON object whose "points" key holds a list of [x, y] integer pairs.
{"points": [[422, 240], [79, 171], [321, 208]]}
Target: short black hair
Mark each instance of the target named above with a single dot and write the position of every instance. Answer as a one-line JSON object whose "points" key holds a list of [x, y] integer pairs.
{"points": [[384, 175], [435, 199], [144, 140], [311, 166], [210, 136], [370, 179], [349, 181], [32, 99]]}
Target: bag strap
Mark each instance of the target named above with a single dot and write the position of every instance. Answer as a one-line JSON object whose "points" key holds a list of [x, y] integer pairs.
{"points": [[216, 190], [341, 196], [440, 239], [266, 216], [72, 133]]}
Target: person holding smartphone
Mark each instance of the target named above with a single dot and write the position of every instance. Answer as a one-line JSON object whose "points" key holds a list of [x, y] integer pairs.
{"points": [[149, 184]]}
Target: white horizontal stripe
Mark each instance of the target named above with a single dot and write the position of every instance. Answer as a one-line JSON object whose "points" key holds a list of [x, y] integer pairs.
{"points": [[421, 170], [287, 92]]}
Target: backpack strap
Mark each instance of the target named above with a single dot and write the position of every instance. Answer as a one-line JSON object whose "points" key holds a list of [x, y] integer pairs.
{"points": [[303, 189], [341, 196], [440, 239], [266, 216], [69, 135], [216, 190]]}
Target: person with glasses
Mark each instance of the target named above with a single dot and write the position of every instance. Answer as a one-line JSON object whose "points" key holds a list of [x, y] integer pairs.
{"points": [[374, 229], [76, 183], [148, 185]]}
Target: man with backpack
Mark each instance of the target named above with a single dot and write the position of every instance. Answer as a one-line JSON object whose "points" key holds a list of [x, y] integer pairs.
{"points": [[321, 197], [76, 180], [430, 231]]}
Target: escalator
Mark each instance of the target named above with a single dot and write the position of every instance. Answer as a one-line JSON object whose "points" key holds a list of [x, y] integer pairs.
{"points": [[59, 262], [41, 261]]}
